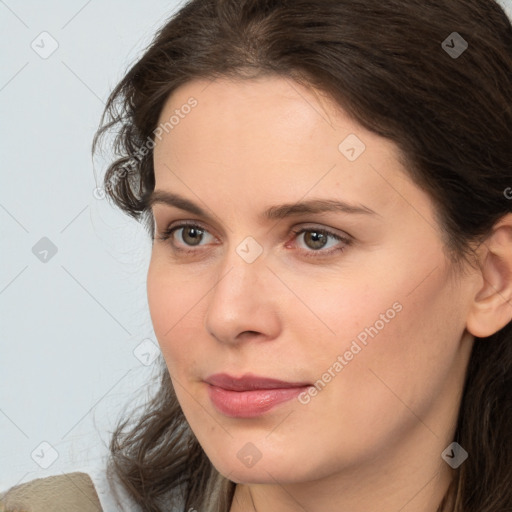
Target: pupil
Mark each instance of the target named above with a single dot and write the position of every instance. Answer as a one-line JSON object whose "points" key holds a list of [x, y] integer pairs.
{"points": [[317, 237], [196, 233]]}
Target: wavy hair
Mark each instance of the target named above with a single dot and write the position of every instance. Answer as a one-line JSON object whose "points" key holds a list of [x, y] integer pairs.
{"points": [[385, 63]]}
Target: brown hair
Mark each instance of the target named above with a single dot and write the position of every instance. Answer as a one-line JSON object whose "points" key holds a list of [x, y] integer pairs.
{"points": [[386, 64]]}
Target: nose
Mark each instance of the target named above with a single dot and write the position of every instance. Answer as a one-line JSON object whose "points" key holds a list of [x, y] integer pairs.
{"points": [[243, 303]]}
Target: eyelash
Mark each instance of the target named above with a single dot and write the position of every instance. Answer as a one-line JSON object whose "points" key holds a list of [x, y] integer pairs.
{"points": [[167, 234]]}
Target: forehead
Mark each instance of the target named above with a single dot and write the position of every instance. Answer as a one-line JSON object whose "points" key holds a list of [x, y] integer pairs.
{"points": [[271, 116], [275, 138], [244, 114]]}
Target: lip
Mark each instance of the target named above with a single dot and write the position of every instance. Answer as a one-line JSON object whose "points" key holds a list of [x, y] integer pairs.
{"points": [[250, 395]]}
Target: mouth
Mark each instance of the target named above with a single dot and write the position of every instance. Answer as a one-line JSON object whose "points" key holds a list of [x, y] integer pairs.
{"points": [[250, 396]]}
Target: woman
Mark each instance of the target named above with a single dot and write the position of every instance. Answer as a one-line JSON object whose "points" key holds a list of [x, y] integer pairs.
{"points": [[328, 188]]}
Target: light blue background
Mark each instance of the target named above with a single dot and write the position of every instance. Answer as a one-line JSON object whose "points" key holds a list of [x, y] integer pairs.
{"points": [[70, 326]]}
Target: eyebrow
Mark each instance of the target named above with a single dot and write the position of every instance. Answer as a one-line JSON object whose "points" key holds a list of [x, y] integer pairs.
{"points": [[272, 213]]}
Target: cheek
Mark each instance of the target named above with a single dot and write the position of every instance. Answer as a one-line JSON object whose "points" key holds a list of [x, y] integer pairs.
{"points": [[330, 318], [174, 306], [397, 369], [394, 338]]}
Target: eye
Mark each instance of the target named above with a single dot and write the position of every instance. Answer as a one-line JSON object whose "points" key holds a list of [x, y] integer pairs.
{"points": [[316, 239], [191, 235]]}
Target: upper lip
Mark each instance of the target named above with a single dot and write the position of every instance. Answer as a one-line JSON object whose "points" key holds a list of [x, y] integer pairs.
{"points": [[249, 382]]}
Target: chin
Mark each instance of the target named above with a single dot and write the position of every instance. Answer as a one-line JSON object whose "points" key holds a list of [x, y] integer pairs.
{"points": [[267, 470]]}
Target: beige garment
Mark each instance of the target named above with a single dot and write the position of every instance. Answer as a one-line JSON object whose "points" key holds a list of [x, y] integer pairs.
{"points": [[69, 492]]}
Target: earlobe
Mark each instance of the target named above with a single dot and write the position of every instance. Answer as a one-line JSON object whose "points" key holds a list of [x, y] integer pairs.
{"points": [[492, 305]]}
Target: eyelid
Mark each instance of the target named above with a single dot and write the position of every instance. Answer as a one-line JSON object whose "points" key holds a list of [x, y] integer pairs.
{"points": [[312, 226]]}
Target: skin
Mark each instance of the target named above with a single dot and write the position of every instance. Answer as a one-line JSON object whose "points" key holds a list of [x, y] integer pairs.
{"points": [[372, 438]]}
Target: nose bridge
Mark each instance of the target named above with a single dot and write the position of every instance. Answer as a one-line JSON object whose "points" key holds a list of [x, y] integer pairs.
{"points": [[241, 277], [244, 265], [240, 299]]}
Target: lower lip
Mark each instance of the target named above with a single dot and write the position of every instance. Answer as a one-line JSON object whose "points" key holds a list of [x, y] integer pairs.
{"points": [[249, 404]]}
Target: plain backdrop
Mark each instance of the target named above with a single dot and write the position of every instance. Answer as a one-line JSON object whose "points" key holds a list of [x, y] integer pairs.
{"points": [[76, 337]]}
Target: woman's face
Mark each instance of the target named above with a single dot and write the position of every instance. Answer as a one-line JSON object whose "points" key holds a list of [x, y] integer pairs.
{"points": [[371, 325]]}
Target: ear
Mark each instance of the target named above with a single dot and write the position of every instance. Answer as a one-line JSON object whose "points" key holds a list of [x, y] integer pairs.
{"points": [[491, 309]]}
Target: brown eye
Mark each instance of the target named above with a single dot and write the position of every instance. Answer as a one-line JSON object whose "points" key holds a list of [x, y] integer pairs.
{"points": [[192, 235], [315, 239]]}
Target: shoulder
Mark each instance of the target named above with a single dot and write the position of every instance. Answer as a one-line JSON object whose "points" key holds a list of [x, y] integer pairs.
{"points": [[68, 492]]}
